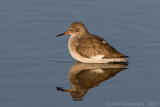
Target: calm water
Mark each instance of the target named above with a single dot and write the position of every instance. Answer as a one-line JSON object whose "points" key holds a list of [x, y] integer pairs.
{"points": [[33, 62]]}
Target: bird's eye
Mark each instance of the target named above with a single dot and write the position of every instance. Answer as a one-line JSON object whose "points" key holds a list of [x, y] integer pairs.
{"points": [[74, 30], [77, 30]]}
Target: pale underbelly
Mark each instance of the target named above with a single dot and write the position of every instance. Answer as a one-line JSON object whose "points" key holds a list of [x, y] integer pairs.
{"points": [[95, 59]]}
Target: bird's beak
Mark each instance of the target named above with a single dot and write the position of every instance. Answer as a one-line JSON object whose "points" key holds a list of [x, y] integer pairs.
{"points": [[61, 89], [67, 90], [68, 32]]}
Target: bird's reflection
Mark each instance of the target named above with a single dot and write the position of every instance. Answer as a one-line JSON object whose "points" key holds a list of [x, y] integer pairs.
{"points": [[84, 76]]}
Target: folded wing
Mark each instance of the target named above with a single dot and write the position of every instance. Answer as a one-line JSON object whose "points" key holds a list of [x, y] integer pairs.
{"points": [[97, 46]]}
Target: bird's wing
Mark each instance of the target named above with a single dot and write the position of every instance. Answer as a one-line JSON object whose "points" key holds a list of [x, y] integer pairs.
{"points": [[93, 77], [94, 45]]}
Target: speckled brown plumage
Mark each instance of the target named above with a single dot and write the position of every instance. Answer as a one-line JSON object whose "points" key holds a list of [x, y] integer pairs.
{"points": [[94, 45]]}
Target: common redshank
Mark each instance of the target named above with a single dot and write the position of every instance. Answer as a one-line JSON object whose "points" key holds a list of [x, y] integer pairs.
{"points": [[89, 48]]}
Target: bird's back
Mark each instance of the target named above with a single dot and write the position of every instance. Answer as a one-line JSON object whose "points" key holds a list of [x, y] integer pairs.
{"points": [[89, 46]]}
